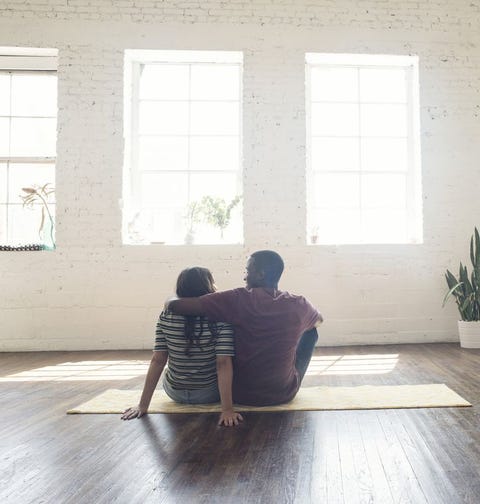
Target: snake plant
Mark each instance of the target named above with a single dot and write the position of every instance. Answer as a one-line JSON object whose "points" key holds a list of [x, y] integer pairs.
{"points": [[466, 289]]}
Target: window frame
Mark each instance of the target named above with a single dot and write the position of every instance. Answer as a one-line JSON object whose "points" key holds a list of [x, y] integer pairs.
{"points": [[35, 61], [413, 200], [134, 59]]}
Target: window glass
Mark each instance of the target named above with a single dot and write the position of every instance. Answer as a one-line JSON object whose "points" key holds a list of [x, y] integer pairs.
{"points": [[334, 119], [183, 155], [4, 136], [383, 85], [34, 95], [163, 118], [28, 123], [28, 176], [3, 183], [363, 177], [335, 154], [33, 137], [384, 154], [167, 153], [209, 118], [4, 94], [334, 84], [215, 82], [164, 82]]}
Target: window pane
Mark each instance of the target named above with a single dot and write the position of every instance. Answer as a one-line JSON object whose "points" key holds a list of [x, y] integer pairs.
{"points": [[163, 153], [4, 94], [383, 120], [384, 226], [34, 95], [214, 153], [383, 191], [384, 154], [337, 190], [168, 225], [163, 118], [23, 224], [218, 185], [383, 85], [334, 84], [33, 137], [215, 82], [3, 183], [337, 154], [161, 190], [4, 136], [164, 82], [3, 224], [338, 226], [29, 175], [334, 119], [214, 118]]}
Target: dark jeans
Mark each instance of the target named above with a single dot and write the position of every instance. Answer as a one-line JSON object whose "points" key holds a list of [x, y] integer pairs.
{"points": [[305, 349]]}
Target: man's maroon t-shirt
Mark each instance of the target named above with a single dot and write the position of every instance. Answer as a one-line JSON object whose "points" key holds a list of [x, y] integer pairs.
{"points": [[268, 324]]}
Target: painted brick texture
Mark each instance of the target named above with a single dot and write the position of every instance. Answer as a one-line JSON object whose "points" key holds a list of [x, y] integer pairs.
{"points": [[95, 293]]}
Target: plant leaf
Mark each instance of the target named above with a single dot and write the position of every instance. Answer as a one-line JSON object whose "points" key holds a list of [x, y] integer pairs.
{"points": [[451, 279], [477, 248], [450, 293]]}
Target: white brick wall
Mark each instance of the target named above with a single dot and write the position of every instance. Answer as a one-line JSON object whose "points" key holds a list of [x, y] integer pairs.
{"points": [[92, 292]]}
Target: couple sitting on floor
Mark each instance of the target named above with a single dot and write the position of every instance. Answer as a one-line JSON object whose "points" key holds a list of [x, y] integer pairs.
{"points": [[270, 334]]}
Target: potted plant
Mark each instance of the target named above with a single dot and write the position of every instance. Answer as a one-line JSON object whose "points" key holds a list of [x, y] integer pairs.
{"points": [[191, 218], [216, 211], [466, 291], [41, 194], [314, 235]]}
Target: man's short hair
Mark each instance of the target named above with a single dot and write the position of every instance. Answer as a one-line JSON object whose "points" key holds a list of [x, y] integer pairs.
{"points": [[270, 263]]}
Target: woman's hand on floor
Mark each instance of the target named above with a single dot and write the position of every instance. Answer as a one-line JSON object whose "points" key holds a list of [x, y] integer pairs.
{"points": [[229, 418], [134, 412]]}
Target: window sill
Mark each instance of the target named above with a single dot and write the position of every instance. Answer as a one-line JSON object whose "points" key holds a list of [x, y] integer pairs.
{"points": [[25, 248]]}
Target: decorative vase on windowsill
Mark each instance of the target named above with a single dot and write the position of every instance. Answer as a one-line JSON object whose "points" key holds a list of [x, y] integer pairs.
{"points": [[47, 234], [466, 291], [41, 194]]}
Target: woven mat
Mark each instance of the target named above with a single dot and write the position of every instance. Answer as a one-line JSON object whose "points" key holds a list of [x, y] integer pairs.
{"points": [[433, 395]]}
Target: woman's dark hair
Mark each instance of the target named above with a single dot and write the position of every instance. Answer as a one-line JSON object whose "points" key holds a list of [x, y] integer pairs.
{"points": [[195, 282]]}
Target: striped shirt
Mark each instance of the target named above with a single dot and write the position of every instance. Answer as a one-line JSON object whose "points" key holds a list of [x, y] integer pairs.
{"points": [[198, 369]]}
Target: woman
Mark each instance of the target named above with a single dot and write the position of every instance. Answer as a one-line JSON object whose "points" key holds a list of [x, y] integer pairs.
{"points": [[197, 351]]}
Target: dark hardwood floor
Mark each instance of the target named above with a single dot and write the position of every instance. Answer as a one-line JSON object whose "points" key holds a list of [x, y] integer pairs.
{"points": [[376, 456]]}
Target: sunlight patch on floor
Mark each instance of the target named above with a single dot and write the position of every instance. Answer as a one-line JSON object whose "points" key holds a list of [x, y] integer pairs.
{"points": [[82, 371], [352, 364]]}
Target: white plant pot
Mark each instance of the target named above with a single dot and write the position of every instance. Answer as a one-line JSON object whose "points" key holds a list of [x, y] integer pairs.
{"points": [[469, 333]]}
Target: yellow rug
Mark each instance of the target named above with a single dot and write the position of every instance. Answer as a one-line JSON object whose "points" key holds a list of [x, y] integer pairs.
{"points": [[435, 395]]}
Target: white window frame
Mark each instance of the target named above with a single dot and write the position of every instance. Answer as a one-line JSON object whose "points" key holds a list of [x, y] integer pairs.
{"points": [[28, 60], [134, 59], [413, 173]]}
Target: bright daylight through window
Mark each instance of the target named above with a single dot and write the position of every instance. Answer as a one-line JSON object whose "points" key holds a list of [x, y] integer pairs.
{"points": [[28, 125], [363, 154], [182, 177]]}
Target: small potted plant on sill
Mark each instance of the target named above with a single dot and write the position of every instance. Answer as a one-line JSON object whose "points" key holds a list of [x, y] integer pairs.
{"points": [[466, 291], [216, 211], [41, 194], [192, 217]]}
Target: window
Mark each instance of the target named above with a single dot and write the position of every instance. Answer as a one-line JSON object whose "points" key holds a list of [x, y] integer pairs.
{"points": [[28, 124], [363, 149], [182, 178]]}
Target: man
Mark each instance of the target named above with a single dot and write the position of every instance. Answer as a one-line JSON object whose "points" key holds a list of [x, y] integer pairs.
{"points": [[274, 331]]}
